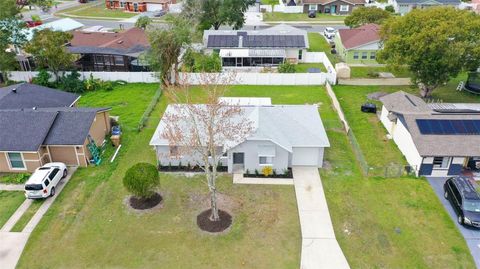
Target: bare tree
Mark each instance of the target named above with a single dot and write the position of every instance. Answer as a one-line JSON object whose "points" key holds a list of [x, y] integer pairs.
{"points": [[205, 131]]}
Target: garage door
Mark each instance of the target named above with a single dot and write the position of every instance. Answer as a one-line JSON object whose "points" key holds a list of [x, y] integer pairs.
{"points": [[154, 7], [305, 156], [65, 155]]}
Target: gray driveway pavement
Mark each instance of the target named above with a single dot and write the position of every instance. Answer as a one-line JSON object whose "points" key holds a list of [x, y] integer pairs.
{"points": [[471, 235]]}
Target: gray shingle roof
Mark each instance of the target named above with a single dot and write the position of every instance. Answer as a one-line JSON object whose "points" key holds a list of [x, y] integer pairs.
{"points": [[31, 95], [24, 130], [442, 2]]}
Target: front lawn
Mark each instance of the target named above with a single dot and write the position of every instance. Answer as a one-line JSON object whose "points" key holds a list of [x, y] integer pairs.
{"points": [[372, 71], [96, 10], [280, 16], [9, 201], [319, 44], [96, 230]]}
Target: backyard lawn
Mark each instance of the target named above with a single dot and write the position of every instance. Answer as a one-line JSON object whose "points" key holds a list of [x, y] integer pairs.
{"points": [[371, 71], [318, 43], [303, 67], [280, 16], [9, 202], [96, 10]]}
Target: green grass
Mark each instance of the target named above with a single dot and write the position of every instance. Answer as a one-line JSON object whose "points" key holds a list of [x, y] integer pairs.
{"points": [[96, 10], [269, 2], [366, 72], [96, 230], [22, 222], [14, 178], [9, 201], [318, 44], [303, 67], [280, 16]]}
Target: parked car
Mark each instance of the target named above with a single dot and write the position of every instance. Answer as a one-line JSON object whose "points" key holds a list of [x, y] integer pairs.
{"points": [[44, 180], [464, 199], [369, 108], [329, 32], [159, 13], [312, 14]]}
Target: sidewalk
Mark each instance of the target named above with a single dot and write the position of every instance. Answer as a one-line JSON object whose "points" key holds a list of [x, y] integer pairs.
{"points": [[320, 248], [12, 243]]}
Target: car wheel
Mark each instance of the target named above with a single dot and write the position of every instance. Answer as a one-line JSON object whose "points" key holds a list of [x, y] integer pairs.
{"points": [[65, 173], [52, 192], [445, 195], [460, 219]]}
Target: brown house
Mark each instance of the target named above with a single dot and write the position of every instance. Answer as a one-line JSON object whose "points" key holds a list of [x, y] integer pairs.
{"points": [[338, 7], [140, 6], [40, 125], [108, 51]]}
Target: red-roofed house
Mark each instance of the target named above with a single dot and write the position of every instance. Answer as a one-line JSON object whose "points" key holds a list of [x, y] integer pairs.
{"points": [[358, 45], [139, 6]]}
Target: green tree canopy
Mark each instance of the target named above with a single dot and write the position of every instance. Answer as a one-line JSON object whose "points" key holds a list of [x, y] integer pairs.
{"points": [[141, 180], [365, 15], [215, 13], [435, 43], [48, 49], [143, 22]]}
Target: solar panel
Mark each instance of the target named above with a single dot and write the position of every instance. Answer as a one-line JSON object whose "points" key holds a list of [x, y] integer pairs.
{"points": [[448, 127], [222, 41], [276, 41]]}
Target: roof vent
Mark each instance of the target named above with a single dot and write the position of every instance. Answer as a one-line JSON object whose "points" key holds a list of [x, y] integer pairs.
{"points": [[14, 90], [120, 42]]}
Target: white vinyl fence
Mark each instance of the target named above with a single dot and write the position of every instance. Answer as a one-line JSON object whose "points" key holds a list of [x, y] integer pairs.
{"points": [[264, 78], [147, 77], [288, 9]]}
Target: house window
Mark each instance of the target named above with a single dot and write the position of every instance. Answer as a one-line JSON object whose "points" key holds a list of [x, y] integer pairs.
{"points": [[364, 55], [119, 60], [312, 7], [16, 160], [122, 4], [441, 162], [264, 160], [173, 151], [355, 55], [300, 54], [344, 8], [373, 55]]}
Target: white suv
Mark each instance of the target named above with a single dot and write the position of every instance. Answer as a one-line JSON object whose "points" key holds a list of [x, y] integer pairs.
{"points": [[43, 181]]}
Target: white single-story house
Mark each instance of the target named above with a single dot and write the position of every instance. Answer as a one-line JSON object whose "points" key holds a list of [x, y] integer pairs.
{"points": [[283, 136], [266, 47], [437, 139], [404, 6]]}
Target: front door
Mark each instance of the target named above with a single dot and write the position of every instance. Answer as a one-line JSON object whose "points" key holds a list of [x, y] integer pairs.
{"points": [[135, 7], [333, 9], [238, 157]]}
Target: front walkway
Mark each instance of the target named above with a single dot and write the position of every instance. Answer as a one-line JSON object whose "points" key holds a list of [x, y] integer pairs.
{"points": [[13, 243], [320, 248]]}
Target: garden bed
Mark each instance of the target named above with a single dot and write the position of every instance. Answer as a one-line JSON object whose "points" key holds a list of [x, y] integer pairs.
{"points": [[286, 174], [205, 223], [188, 168]]}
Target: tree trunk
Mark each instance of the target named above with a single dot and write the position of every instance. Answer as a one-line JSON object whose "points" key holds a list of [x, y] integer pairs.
{"points": [[213, 204], [425, 90]]}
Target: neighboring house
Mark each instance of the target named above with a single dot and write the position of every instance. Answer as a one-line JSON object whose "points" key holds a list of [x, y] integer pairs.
{"points": [[267, 47], [404, 6], [283, 136], [109, 51], [358, 45], [140, 6], [437, 139], [40, 125], [338, 7]]}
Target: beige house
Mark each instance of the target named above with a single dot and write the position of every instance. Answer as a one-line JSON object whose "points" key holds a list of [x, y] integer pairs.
{"points": [[40, 125]]}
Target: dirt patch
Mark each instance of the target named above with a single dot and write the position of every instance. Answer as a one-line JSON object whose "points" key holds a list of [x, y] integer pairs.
{"points": [[376, 95], [202, 200], [205, 223], [144, 204]]}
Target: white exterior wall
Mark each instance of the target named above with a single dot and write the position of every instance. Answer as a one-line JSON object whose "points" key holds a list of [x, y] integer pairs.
{"points": [[163, 153], [307, 156], [403, 139], [251, 157]]}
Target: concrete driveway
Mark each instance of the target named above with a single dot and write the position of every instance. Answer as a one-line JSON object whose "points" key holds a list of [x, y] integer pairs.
{"points": [[472, 236], [320, 248]]}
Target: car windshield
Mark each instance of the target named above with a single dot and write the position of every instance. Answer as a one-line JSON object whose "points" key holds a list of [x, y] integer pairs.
{"points": [[33, 187], [330, 30], [471, 205]]}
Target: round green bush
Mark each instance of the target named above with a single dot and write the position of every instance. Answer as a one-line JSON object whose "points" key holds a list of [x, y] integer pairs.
{"points": [[141, 180]]}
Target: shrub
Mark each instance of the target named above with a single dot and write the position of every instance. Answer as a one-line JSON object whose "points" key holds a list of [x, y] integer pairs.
{"points": [[141, 180], [208, 63], [36, 18], [92, 84], [373, 74], [42, 79], [267, 170], [143, 22], [390, 8], [286, 67], [71, 83]]}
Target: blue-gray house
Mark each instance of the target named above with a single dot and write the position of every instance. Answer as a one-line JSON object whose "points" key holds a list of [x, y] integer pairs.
{"points": [[437, 139], [404, 6]]}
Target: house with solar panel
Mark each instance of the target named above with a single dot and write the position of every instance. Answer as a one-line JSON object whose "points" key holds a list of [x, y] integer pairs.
{"points": [[437, 139], [266, 47]]}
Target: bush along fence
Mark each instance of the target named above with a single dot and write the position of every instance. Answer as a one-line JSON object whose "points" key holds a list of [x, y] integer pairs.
{"points": [[149, 110], [388, 171]]}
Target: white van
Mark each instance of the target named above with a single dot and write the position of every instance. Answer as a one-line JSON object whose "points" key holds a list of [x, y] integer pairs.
{"points": [[44, 180]]}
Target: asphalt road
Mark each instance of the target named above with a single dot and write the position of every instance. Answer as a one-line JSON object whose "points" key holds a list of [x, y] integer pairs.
{"points": [[471, 235]]}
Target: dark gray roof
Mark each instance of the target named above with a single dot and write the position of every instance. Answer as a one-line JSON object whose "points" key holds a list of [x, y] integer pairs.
{"points": [[24, 130], [442, 2], [222, 41], [31, 95], [71, 126], [133, 51]]}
